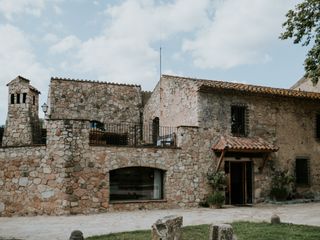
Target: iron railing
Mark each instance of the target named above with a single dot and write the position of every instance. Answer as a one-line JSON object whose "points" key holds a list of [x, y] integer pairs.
{"points": [[130, 134], [39, 133]]}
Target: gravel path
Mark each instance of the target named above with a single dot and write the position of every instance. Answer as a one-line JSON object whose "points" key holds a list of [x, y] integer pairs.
{"points": [[60, 227]]}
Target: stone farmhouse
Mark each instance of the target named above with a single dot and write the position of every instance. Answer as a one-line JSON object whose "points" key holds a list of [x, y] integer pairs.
{"points": [[109, 147]]}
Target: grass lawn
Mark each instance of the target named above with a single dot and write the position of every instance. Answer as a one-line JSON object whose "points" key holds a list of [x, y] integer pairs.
{"points": [[243, 230]]}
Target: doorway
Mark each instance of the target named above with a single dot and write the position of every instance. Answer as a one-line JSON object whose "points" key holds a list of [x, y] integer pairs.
{"points": [[239, 182]]}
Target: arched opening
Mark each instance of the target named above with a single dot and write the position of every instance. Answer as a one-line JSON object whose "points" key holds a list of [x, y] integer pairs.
{"points": [[136, 183]]}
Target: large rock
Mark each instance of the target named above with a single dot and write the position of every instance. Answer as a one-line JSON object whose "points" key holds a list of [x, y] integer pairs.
{"points": [[167, 228], [221, 232], [76, 235]]}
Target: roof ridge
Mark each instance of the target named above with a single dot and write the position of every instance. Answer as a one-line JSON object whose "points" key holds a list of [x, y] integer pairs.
{"points": [[218, 84], [94, 81]]}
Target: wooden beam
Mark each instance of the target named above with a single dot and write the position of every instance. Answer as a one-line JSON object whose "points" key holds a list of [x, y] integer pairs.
{"points": [[220, 160]]}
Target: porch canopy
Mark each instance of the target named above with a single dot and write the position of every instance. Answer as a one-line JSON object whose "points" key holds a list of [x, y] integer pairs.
{"points": [[244, 145]]}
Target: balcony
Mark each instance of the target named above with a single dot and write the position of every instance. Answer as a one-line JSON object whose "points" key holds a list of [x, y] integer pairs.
{"points": [[133, 135]]}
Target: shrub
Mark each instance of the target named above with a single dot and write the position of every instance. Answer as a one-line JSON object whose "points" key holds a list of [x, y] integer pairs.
{"points": [[281, 185], [216, 199]]}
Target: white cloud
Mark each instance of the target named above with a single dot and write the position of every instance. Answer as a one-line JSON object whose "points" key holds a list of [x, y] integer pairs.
{"points": [[238, 32], [66, 44], [33, 7], [50, 38], [124, 53], [57, 10], [17, 58]]}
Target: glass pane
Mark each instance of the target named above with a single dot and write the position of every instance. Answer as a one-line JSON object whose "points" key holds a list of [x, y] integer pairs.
{"points": [[136, 183]]}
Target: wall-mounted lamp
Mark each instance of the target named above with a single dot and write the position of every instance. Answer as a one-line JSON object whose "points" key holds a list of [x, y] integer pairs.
{"points": [[44, 108]]}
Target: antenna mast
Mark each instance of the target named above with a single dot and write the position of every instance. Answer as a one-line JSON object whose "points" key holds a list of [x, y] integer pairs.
{"points": [[160, 62]]}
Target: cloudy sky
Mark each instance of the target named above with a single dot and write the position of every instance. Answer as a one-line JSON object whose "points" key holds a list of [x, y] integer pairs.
{"points": [[119, 41]]}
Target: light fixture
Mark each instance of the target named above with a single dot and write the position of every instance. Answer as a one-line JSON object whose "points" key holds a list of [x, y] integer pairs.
{"points": [[44, 108]]}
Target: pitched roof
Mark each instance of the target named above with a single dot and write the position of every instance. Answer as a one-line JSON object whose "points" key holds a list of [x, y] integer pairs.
{"points": [[298, 83], [205, 85], [243, 144], [26, 81]]}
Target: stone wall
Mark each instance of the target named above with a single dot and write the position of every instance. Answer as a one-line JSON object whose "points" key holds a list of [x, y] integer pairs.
{"points": [[289, 123], [104, 102], [22, 115], [69, 176], [306, 85], [30, 182], [174, 101]]}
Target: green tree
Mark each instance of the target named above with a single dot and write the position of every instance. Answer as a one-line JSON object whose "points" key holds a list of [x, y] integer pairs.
{"points": [[303, 26]]}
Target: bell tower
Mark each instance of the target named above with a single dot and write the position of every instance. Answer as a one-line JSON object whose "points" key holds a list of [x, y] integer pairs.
{"points": [[22, 119]]}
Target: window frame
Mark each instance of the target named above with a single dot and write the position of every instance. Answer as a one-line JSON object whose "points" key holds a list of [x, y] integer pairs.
{"points": [[133, 190], [303, 183], [242, 120]]}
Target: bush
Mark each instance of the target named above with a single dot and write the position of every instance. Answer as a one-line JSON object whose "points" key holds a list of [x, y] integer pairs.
{"points": [[216, 199], [281, 185]]}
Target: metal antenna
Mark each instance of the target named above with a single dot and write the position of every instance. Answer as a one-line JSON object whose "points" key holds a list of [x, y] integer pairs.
{"points": [[160, 62]]}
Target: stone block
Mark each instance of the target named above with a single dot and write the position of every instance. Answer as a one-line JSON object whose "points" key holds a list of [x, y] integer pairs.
{"points": [[275, 219], [221, 232], [23, 181], [167, 228], [76, 235]]}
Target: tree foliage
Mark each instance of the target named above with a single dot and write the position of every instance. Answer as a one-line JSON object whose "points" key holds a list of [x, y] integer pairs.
{"points": [[303, 26]]}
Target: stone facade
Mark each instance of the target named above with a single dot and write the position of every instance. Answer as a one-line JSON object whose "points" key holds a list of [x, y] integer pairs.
{"points": [[104, 102], [22, 113], [305, 84], [69, 175]]}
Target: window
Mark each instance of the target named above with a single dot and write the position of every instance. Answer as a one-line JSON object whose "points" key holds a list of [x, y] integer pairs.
{"points": [[318, 126], [18, 98], [12, 98], [34, 100], [24, 98], [238, 120], [302, 171], [136, 183]]}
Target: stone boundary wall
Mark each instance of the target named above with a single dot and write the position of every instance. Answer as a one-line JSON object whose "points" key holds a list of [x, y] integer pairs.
{"points": [[30, 184], [68, 176]]}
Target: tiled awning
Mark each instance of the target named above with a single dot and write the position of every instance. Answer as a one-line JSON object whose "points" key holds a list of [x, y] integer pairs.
{"points": [[243, 144]]}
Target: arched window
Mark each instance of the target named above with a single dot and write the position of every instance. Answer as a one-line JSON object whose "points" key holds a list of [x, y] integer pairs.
{"points": [[136, 183]]}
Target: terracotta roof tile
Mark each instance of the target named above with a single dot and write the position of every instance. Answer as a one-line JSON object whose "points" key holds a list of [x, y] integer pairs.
{"points": [[243, 144], [209, 85]]}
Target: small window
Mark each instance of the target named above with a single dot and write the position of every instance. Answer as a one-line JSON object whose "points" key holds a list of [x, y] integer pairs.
{"points": [[12, 98], [318, 126], [302, 171], [18, 98], [136, 183], [24, 98], [33, 100], [238, 120]]}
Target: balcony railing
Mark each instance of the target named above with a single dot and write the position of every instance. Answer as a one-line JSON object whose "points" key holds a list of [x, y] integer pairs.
{"points": [[129, 134]]}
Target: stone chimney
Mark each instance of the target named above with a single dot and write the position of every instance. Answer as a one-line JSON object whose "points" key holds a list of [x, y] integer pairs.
{"points": [[22, 119]]}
